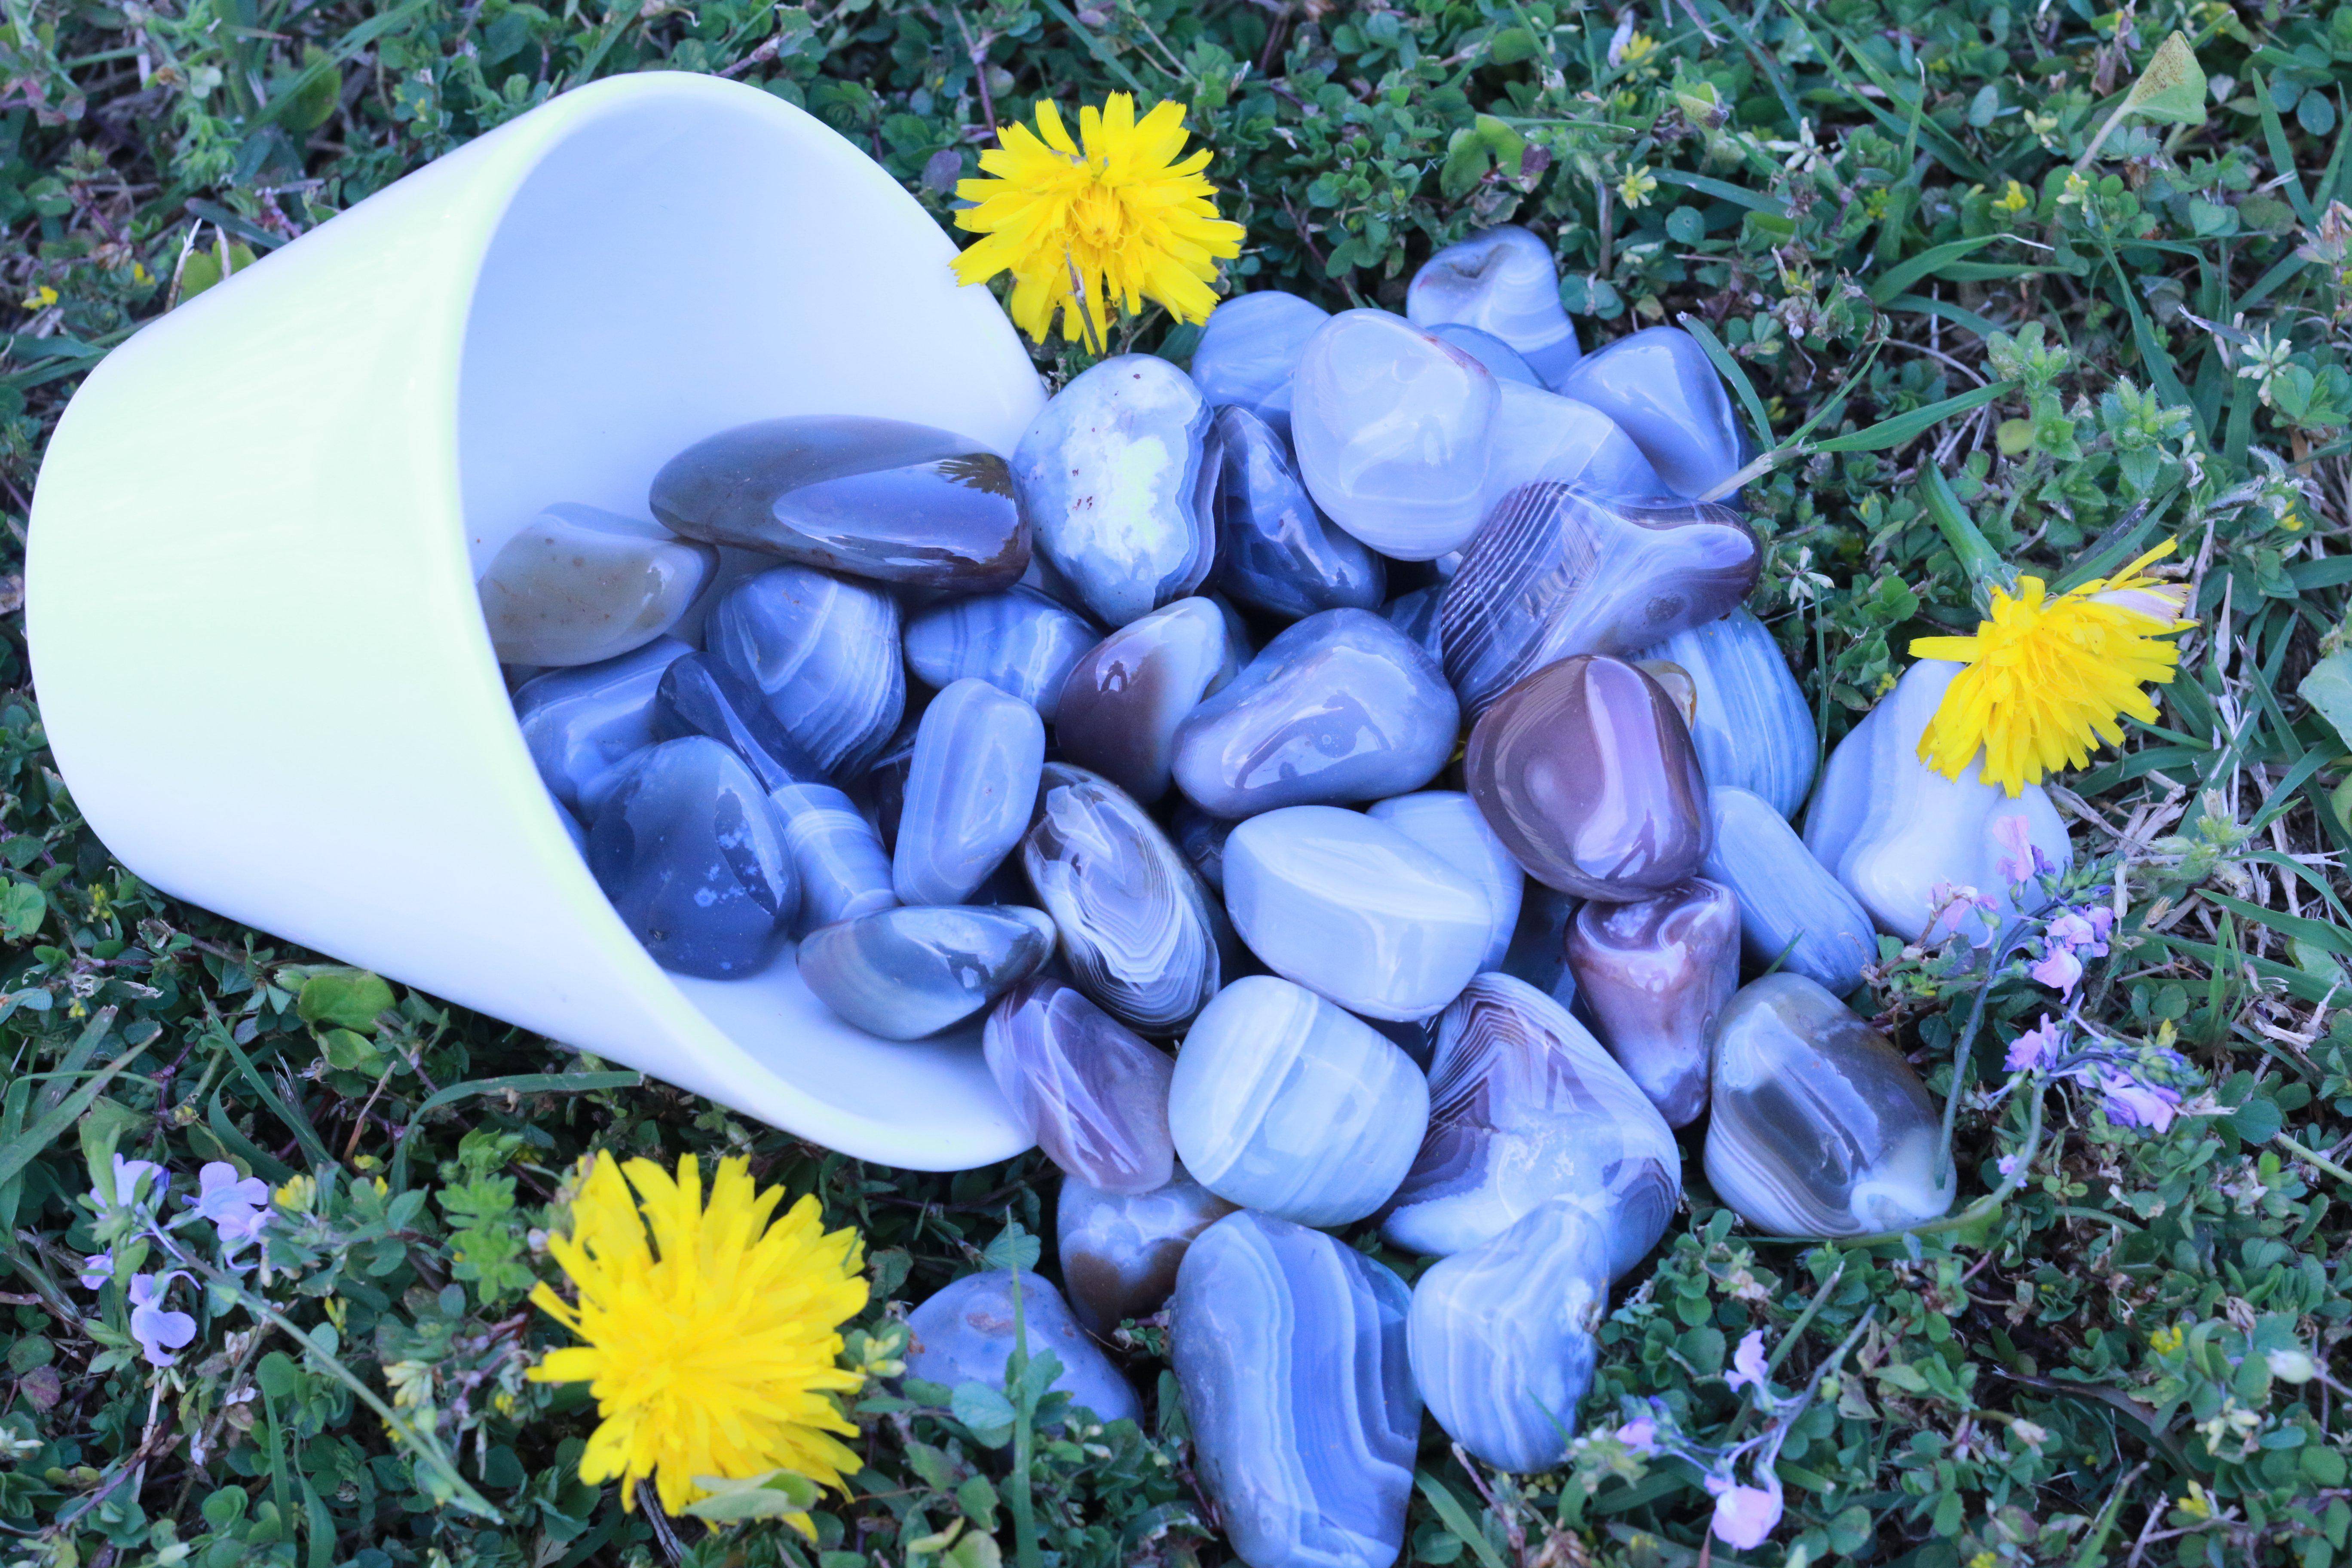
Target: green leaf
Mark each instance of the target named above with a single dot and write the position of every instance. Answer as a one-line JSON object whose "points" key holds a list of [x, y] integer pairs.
{"points": [[1909, 426], [2328, 690], [771, 1494], [985, 1411], [29, 1145], [2171, 91], [276, 1375], [1897, 279], [22, 909], [1457, 1518], [344, 998]]}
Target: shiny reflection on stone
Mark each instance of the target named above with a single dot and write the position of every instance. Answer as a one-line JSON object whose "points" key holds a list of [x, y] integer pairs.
{"points": [[1276, 552], [966, 1334], [1655, 975], [1446, 823], [1202, 838], [1819, 1127], [970, 786], [1414, 615], [1284, 1104], [1504, 281], [578, 585], [1586, 773], [1021, 641], [1525, 1107], [1753, 729], [1126, 696], [1391, 427], [582, 724], [905, 974], [1353, 909], [1119, 1251], [1289, 1349], [1559, 572], [692, 857], [698, 697], [1501, 1337], [1090, 1091], [1502, 360], [822, 652], [1663, 391], [1114, 473], [878, 498], [1339, 707], [1540, 435], [1249, 351], [1137, 926], [844, 872], [1792, 913]]}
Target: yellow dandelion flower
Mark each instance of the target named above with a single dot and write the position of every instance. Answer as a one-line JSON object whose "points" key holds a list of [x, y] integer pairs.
{"points": [[1119, 215], [712, 1345], [2046, 676]]}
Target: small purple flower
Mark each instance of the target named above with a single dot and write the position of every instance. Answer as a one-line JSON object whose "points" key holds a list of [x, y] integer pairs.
{"points": [[2006, 1165], [238, 1209], [128, 1174], [2085, 930], [2131, 1103], [1744, 1516], [1748, 1369], [2015, 838], [1641, 1435], [96, 1269], [2059, 969], [157, 1330], [2036, 1047]]}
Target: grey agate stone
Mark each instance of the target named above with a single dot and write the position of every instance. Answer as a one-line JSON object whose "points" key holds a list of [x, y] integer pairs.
{"points": [[1139, 930], [966, 1332], [1284, 1104], [1115, 473], [1540, 436], [1525, 1107], [1539, 950], [579, 584], [1414, 615], [905, 974], [1276, 552], [1502, 281], [1249, 349], [970, 786], [693, 859], [1661, 390], [1123, 700], [1819, 1127], [1339, 707], [1092, 1093], [582, 724], [1792, 910], [844, 872], [1655, 974], [1503, 362], [1289, 1349], [1202, 838], [1752, 727], [1119, 1251], [1448, 824], [698, 697], [823, 653], [1021, 641], [1355, 910], [1501, 1337]]}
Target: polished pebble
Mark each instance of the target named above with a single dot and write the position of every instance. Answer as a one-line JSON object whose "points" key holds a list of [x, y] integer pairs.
{"points": [[1540, 435], [1448, 824], [1354, 910], [1502, 281], [1656, 975], [1249, 351], [698, 697], [1275, 553], [1289, 1350], [736, 567], [1661, 388], [1792, 913], [1202, 838], [578, 585], [1415, 615], [1285, 1104], [1090, 1091], [1125, 696], [1021, 641], [967, 1333], [1539, 950], [581, 724], [843, 869], [970, 786], [1503, 362], [907, 973], [1752, 727], [1819, 1127], [1119, 1251], [822, 652]]}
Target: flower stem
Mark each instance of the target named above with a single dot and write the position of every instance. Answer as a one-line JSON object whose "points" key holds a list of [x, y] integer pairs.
{"points": [[1986, 568], [2313, 1157], [1022, 1500], [1996, 955]]}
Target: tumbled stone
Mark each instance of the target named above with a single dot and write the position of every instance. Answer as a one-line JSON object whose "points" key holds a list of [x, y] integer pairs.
{"points": [[1502, 281], [1391, 426], [1114, 473], [1525, 1107], [1126, 696], [1021, 641], [877, 499], [1792, 913], [736, 567], [698, 697], [1503, 362], [1586, 773], [883, 785], [1119, 1251], [1501, 1337], [1285, 1104], [1249, 349], [1202, 838], [970, 786], [907, 973], [1819, 1127], [1415, 615], [822, 652], [579, 584], [1752, 727], [1917, 849], [691, 853], [1353, 909], [1276, 552], [1540, 435], [1539, 950], [581, 724], [1135, 924], [1289, 1349], [1090, 1091], [843, 869], [1661, 388], [1559, 572], [1655, 975], [967, 1333], [1339, 707], [1446, 823]]}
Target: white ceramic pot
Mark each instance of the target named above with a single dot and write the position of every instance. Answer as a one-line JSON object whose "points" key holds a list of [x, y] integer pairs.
{"points": [[250, 578]]}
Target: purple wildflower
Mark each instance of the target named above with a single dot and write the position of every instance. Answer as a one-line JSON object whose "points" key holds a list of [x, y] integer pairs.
{"points": [[1748, 1369], [1641, 1435], [128, 1174], [2015, 837], [158, 1331], [2037, 1048], [96, 1269], [2059, 969], [2131, 1103], [238, 1209], [1744, 1516]]}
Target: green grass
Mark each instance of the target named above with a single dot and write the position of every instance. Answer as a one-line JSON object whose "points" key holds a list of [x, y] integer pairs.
{"points": [[1870, 207]]}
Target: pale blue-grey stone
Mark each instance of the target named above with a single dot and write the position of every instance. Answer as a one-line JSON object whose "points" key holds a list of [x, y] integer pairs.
{"points": [[1341, 706], [1276, 552], [1289, 1350], [1501, 1337], [1504, 281], [1539, 434], [967, 1331], [736, 567], [1114, 472], [907, 973], [1539, 950], [698, 697], [572, 827], [693, 858], [1792, 910], [1661, 388], [1090, 1091], [970, 786], [1503, 362], [1819, 1126], [1285, 1104], [1446, 823], [578, 585], [1119, 1251], [1249, 351], [1753, 729], [1415, 615], [843, 869], [1126, 696], [1353, 909], [1202, 838], [581, 724], [1917, 848], [822, 652], [1021, 641]]}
